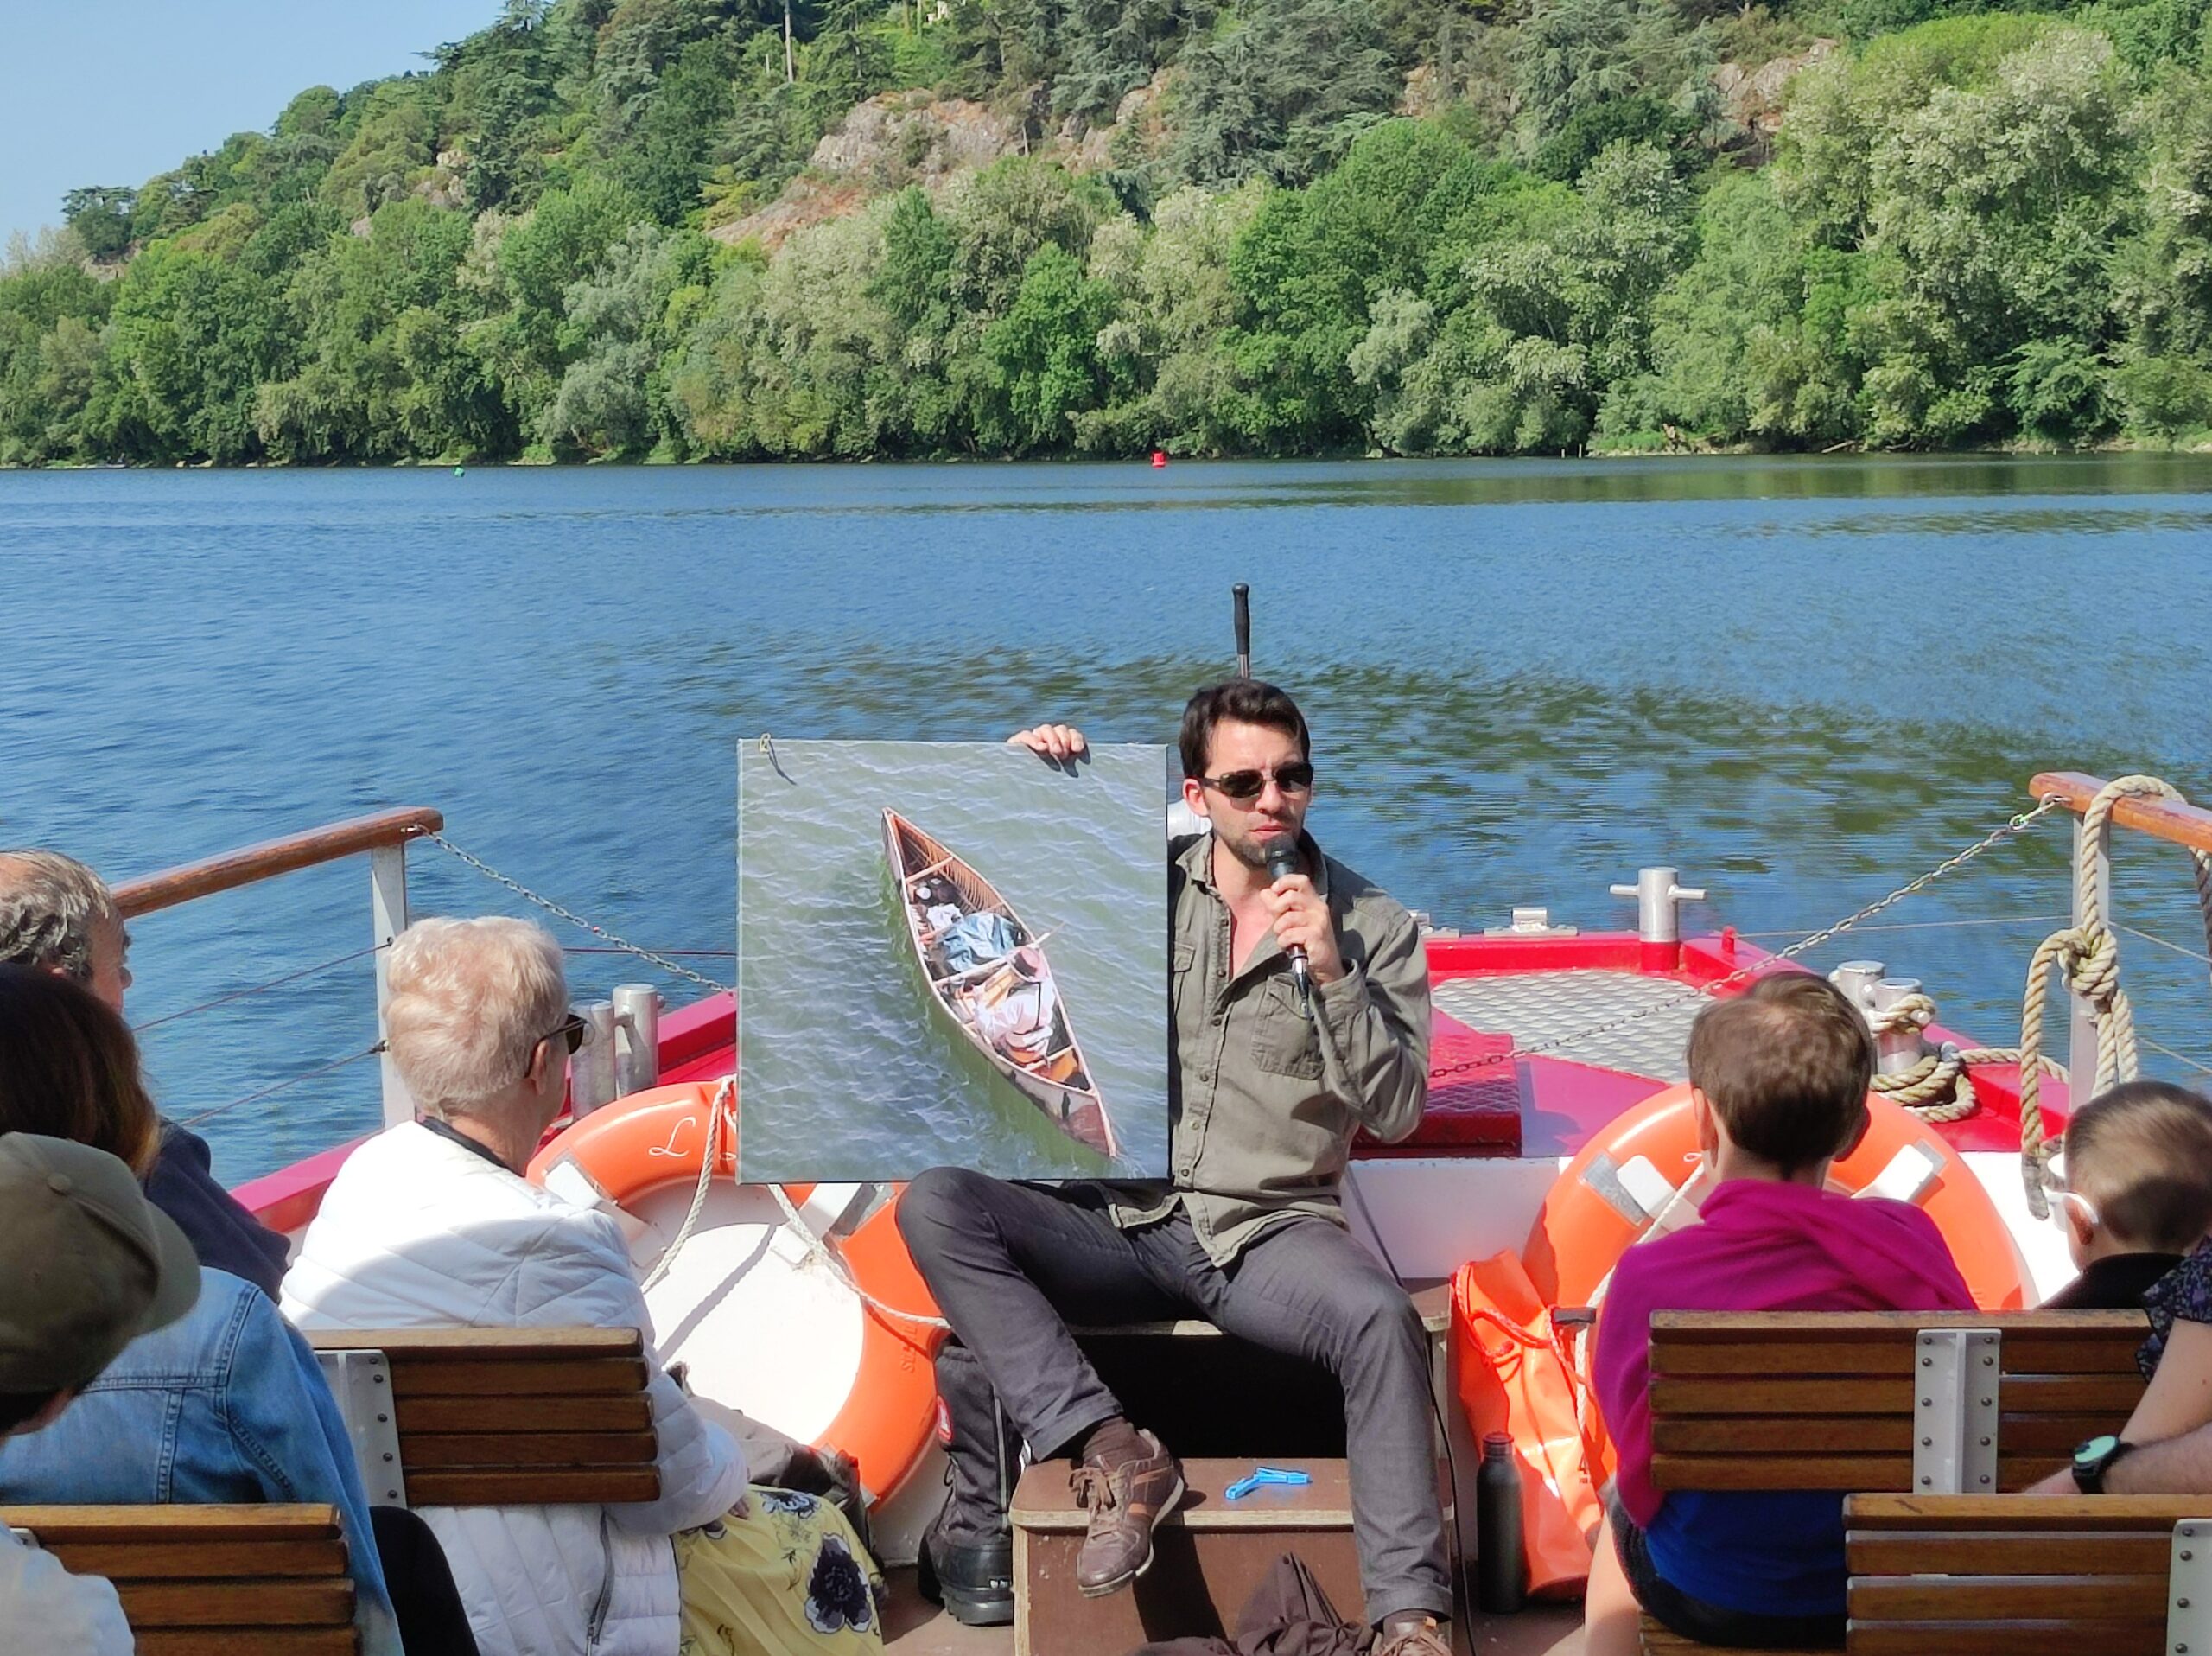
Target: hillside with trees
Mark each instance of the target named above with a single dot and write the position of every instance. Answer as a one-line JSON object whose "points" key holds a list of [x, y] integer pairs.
{"points": [[833, 229]]}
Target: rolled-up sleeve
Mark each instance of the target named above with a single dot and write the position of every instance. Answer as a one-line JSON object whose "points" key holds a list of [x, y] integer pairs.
{"points": [[1374, 1022]]}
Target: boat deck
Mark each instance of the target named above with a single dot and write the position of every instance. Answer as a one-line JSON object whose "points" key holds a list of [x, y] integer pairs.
{"points": [[913, 1626], [1571, 1008]]}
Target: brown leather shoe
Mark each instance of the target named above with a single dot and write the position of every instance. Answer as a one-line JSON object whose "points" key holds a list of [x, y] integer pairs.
{"points": [[1412, 1636], [1125, 1496]]}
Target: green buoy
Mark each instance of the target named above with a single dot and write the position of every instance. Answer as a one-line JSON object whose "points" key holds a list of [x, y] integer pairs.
{"points": [[461, 471]]}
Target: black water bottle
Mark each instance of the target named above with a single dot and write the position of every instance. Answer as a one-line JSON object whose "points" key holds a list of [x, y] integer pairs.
{"points": [[1501, 1572]]}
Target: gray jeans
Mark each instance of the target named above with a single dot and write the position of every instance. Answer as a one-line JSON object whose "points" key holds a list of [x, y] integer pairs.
{"points": [[1010, 1264]]}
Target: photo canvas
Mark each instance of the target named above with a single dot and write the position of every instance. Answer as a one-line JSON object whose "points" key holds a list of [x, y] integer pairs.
{"points": [[950, 954]]}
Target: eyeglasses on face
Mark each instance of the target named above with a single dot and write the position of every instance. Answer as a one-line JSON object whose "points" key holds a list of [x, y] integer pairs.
{"points": [[575, 1030], [1245, 786]]}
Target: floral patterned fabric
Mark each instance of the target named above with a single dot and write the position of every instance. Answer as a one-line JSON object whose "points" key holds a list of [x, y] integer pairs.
{"points": [[788, 1578], [2183, 1294]]}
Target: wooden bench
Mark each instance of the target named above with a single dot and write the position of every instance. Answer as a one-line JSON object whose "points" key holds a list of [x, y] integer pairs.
{"points": [[211, 1581], [2000, 1575], [495, 1417], [1860, 1402], [1938, 1403]]}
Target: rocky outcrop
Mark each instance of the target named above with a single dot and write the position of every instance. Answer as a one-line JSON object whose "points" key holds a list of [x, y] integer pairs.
{"points": [[1752, 95], [895, 139]]}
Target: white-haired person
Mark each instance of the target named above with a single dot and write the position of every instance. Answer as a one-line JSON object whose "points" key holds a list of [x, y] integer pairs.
{"points": [[431, 1224]]}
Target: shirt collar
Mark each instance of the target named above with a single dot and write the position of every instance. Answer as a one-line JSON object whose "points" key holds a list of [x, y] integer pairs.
{"points": [[446, 1129]]}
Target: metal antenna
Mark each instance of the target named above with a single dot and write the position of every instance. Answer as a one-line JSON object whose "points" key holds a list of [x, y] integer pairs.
{"points": [[1242, 594]]}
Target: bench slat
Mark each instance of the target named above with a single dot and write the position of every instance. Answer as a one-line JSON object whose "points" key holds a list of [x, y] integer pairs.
{"points": [[1785, 1435], [539, 1486], [237, 1603], [2004, 1637], [2057, 1394], [1894, 1356], [2006, 1598], [405, 1346], [432, 1452], [1841, 1474], [1734, 1396], [1968, 1552], [474, 1414], [2036, 1512], [578, 1377], [56, 1526], [201, 1560], [1775, 1327], [246, 1642]]}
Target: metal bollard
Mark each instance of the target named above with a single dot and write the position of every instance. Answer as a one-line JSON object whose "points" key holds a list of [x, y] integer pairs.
{"points": [[1896, 1051], [1658, 923], [636, 1038], [1857, 978], [591, 1072]]}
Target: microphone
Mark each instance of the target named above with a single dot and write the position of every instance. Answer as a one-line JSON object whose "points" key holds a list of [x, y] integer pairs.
{"points": [[1283, 860]]}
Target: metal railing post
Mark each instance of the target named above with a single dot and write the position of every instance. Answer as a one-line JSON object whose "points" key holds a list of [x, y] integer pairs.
{"points": [[387, 920], [2082, 1029]]}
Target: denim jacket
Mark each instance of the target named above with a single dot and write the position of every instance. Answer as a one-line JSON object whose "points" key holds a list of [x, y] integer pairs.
{"points": [[226, 1404]]}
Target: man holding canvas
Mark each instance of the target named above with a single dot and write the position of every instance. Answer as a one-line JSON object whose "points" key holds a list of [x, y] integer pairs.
{"points": [[1264, 1096]]}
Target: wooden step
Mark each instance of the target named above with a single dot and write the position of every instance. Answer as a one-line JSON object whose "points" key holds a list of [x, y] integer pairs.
{"points": [[1208, 1556]]}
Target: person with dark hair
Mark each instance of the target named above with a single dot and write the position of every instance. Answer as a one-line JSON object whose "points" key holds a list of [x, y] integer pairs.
{"points": [[223, 1403], [1779, 1079], [59, 916], [88, 1265], [1265, 1093]]}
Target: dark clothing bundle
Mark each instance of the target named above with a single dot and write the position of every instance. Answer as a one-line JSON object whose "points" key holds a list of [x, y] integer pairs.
{"points": [[222, 1234]]}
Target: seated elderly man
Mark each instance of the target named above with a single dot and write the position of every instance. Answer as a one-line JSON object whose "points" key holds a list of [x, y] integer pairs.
{"points": [[58, 916], [431, 1223]]}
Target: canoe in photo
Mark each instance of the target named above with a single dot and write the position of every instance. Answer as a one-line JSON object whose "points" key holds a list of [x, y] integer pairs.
{"points": [[990, 980]]}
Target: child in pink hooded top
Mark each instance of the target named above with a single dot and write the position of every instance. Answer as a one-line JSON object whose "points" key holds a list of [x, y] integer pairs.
{"points": [[1780, 1077]]}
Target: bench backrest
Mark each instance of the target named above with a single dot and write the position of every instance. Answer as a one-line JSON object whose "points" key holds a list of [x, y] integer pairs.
{"points": [[1846, 1400], [498, 1417], [211, 1581], [2001, 1575]]}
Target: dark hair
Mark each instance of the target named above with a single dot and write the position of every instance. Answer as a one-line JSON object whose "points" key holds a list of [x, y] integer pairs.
{"points": [[69, 1069], [1785, 1066], [16, 1407], [1247, 701], [2140, 1153]]}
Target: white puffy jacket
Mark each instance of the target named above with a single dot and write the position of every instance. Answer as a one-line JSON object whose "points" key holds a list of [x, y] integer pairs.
{"points": [[418, 1230]]}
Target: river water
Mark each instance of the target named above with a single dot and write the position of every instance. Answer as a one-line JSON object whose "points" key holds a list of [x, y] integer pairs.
{"points": [[1802, 682]]}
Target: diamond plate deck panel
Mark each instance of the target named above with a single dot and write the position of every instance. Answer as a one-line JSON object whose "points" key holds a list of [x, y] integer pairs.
{"points": [[1542, 1006]]}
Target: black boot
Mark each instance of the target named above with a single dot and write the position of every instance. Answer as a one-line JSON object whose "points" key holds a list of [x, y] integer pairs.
{"points": [[967, 1556], [972, 1578]]}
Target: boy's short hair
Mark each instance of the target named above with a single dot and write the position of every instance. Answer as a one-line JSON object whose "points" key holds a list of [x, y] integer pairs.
{"points": [[1785, 1066], [2140, 1153]]}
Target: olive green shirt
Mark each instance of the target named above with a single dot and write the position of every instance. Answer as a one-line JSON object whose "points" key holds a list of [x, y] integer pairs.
{"points": [[1262, 1101]]}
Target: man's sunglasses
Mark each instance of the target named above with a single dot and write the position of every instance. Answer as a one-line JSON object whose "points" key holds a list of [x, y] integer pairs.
{"points": [[1245, 786], [575, 1030]]}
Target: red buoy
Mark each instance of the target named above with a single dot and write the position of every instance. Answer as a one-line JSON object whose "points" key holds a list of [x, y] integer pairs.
{"points": [[1159, 459]]}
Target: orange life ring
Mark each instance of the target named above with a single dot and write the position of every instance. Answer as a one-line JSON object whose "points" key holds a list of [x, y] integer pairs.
{"points": [[652, 1140], [1616, 1188]]}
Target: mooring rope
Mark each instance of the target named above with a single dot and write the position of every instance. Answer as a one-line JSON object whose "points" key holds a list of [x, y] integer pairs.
{"points": [[2087, 955]]}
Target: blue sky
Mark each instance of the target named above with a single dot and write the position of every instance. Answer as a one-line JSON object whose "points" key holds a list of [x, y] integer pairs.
{"points": [[111, 91]]}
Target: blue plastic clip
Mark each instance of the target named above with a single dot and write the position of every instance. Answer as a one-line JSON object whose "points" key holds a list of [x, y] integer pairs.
{"points": [[1261, 1476]]}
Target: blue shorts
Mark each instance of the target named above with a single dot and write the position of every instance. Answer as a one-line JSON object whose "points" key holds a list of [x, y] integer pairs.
{"points": [[1711, 1624]]}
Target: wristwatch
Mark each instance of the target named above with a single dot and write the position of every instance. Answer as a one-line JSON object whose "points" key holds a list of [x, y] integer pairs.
{"points": [[2091, 1459]]}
